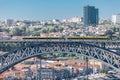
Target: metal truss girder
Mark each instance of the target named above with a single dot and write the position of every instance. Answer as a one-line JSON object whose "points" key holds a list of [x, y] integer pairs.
{"points": [[10, 59], [8, 45]]}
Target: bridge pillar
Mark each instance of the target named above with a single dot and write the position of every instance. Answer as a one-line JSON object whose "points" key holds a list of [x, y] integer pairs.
{"points": [[93, 67], [86, 70], [36, 61], [40, 63]]}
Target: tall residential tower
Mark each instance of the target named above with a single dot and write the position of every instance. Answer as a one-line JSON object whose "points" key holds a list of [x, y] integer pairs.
{"points": [[90, 16]]}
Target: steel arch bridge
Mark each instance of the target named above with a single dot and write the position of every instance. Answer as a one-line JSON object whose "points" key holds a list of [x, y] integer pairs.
{"points": [[105, 55]]}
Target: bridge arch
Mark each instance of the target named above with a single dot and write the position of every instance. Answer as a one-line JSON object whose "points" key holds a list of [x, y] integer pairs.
{"points": [[10, 59]]}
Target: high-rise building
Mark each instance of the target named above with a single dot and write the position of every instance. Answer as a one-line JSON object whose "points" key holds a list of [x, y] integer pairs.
{"points": [[90, 16], [116, 19]]}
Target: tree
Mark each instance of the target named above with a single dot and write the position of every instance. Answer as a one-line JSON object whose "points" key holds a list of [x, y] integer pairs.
{"points": [[17, 31], [5, 29], [36, 33]]}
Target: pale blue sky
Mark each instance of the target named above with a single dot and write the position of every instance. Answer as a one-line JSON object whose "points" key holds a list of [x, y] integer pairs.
{"points": [[59, 9]]}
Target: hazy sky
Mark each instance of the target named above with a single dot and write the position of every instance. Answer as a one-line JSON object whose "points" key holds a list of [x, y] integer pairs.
{"points": [[59, 9]]}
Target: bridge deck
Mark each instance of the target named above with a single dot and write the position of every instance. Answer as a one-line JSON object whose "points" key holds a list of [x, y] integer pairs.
{"points": [[57, 40]]}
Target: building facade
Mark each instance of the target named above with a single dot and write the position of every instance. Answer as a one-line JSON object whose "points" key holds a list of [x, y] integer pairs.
{"points": [[10, 22], [116, 19], [46, 74], [75, 19], [91, 16]]}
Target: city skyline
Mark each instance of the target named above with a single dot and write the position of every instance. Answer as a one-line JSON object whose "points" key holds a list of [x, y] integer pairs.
{"points": [[54, 9]]}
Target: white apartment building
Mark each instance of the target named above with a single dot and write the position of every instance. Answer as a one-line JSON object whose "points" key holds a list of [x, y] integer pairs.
{"points": [[116, 19], [73, 19]]}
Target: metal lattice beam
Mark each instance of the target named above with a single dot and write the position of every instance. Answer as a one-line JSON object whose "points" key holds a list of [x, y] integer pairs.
{"points": [[104, 55]]}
